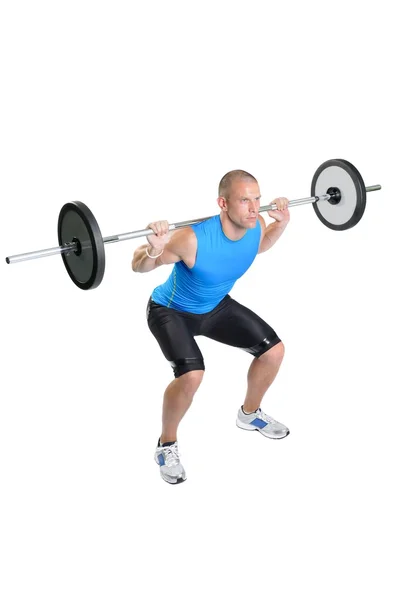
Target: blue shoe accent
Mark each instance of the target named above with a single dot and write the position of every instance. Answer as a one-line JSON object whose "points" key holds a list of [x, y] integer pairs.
{"points": [[259, 423], [161, 460]]}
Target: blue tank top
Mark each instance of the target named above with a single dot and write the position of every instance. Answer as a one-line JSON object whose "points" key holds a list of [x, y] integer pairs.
{"points": [[219, 263]]}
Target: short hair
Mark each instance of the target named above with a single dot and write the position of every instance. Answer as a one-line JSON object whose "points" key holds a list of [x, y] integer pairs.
{"points": [[224, 187]]}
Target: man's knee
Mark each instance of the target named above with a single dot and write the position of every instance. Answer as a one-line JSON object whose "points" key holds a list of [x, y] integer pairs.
{"points": [[274, 354], [191, 380], [193, 367], [193, 377]]}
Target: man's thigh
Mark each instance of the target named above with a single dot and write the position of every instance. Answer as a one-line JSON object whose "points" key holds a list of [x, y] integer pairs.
{"points": [[236, 325], [175, 337]]}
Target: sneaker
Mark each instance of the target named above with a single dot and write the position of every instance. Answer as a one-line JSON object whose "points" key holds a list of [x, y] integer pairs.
{"points": [[167, 457], [259, 421]]}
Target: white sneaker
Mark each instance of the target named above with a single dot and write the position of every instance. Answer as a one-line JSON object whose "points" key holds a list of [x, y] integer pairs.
{"points": [[167, 457], [259, 421]]}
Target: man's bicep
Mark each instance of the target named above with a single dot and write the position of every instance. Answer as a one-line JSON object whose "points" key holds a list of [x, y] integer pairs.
{"points": [[168, 257]]}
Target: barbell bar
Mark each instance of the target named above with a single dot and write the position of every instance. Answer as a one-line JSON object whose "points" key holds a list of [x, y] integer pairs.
{"points": [[121, 237], [82, 247]]}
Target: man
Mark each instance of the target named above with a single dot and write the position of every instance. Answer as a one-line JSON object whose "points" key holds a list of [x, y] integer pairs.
{"points": [[208, 258]]}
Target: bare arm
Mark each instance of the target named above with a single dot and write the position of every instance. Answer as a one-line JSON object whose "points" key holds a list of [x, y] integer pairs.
{"points": [[181, 246], [272, 232]]}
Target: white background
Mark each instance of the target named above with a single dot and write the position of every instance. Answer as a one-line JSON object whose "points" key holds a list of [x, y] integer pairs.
{"points": [[138, 110]]}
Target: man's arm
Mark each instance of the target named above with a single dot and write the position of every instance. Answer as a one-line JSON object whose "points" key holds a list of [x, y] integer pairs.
{"points": [[179, 247], [271, 233]]}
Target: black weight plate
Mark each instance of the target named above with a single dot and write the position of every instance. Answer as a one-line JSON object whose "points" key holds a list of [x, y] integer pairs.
{"points": [[85, 266], [341, 174]]}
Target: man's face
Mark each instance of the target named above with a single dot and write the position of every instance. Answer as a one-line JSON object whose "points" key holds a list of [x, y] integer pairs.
{"points": [[243, 203]]}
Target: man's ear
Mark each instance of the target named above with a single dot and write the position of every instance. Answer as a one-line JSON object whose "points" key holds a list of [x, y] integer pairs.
{"points": [[222, 203]]}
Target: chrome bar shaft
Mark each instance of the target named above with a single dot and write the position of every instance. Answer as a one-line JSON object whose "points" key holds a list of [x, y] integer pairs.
{"points": [[41, 253]]}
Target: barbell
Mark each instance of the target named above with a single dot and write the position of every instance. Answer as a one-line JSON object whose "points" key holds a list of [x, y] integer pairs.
{"points": [[338, 196]]}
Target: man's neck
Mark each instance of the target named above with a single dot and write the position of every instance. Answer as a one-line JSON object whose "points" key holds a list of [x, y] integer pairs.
{"points": [[232, 231]]}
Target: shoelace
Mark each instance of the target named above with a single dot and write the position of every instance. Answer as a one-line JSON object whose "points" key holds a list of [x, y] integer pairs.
{"points": [[171, 455], [264, 417]]}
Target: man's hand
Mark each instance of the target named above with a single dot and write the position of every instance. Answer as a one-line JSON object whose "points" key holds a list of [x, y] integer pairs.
{"points": [[161, 234], [282, 211]]}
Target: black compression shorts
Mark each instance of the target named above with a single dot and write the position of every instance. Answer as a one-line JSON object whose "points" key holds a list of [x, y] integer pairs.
{"points": [[229, 322]]}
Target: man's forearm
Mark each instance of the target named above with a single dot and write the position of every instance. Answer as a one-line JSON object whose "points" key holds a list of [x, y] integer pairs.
{"points": [[141, 263], [272, 233]]}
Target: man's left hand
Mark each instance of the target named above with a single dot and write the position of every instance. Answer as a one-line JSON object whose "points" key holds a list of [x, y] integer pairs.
{"points": [[282, 212]]}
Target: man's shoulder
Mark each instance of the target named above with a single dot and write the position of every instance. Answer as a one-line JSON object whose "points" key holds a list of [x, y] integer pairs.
{"points": [[182, 240]]}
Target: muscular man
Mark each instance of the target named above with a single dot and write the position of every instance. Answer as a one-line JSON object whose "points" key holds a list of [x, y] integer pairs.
{"points": [[208, 258]]}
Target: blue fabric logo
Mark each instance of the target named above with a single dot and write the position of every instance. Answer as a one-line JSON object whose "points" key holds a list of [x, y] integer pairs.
{"points": [[259, 423]]}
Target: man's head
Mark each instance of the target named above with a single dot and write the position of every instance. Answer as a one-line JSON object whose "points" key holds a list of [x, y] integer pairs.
{"points": [[239, 197]]}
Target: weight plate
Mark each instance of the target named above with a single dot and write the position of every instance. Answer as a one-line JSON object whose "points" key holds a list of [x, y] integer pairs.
{"points": [[86, 265], [341, 174]]}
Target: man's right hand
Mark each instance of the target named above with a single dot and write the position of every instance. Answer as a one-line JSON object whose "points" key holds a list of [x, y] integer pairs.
{"points": [[161, 234]]}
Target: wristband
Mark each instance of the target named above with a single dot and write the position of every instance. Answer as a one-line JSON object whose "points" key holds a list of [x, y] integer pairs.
{"points": [[149, 256]]}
